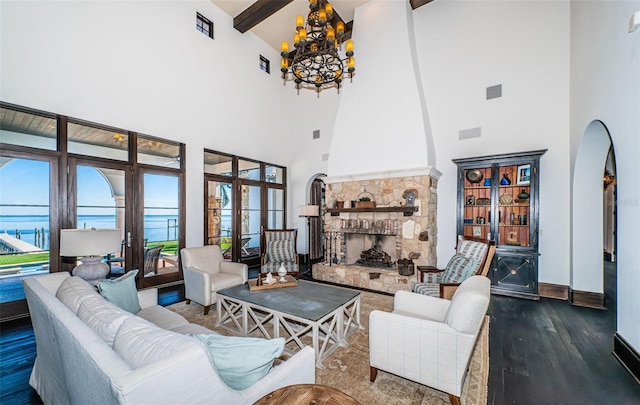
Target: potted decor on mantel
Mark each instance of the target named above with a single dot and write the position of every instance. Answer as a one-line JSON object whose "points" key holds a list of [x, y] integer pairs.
{"points": [[365, 201]]}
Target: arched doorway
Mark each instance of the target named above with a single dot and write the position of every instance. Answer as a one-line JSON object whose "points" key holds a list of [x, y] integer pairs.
{"points": [[315, 195], [588, 216]]}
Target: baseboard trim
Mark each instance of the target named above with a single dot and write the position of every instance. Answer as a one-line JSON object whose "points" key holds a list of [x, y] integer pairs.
{"points": [[627, 356], [555, 291], [586, 299]]}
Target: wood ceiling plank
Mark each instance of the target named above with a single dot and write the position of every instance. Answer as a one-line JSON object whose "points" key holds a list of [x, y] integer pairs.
{"points": [[256, 13], [418, 3]]}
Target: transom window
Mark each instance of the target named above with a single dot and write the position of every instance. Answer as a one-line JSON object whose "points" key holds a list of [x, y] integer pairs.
{"points": [[204, 25]]}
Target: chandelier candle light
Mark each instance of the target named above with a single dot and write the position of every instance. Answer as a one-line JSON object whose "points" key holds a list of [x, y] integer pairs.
{"points": [[315, 62]]}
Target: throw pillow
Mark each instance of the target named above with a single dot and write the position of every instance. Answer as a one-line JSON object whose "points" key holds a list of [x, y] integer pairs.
{"points": [[459, 269], [121, 291], [242, 361]]}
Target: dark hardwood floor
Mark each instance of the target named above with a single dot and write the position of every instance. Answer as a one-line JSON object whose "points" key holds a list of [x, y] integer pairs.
{"points": [[551, 352], [546, 352]]}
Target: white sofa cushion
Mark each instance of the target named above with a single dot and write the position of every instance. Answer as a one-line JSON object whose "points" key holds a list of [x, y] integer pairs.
{"points": [[162, 317], [192, 328], [141, 343], [73, 291], [103, 317]]}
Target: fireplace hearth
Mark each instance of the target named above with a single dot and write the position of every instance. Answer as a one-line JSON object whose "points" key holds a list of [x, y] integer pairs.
{"points": [[363, 248]]}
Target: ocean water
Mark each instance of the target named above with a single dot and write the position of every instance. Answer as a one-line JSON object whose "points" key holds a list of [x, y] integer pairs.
{"points": [[34, 229]]}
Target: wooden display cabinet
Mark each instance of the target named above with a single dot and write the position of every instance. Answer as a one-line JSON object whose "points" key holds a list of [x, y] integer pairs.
{"points": [[498, 200]]}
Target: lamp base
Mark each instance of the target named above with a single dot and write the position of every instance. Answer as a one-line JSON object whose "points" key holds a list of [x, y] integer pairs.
{"points": [[91, 269]]}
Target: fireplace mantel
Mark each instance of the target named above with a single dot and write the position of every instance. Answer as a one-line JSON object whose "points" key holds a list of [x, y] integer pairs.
{"points": [[408, 211]]}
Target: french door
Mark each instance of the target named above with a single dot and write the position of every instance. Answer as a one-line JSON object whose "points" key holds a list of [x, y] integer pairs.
{"points": [[28, 214], [242, 198], [159, 223], [103, 200], [257, 207]]}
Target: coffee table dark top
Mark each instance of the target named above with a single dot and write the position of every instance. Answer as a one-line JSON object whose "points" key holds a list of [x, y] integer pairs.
{"points": [[307, 300]]}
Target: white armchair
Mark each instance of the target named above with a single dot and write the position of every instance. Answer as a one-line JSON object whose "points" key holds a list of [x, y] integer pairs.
{"points": [[430, 340], [206, 272]]}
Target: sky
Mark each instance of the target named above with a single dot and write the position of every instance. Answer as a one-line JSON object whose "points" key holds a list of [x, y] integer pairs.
{"points": [[26, 182]]}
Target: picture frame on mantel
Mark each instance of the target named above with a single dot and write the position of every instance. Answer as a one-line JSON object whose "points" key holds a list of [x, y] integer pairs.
{"points": [[523, 177]]}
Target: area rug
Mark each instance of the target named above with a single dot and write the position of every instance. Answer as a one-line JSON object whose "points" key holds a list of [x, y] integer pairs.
{"points": [[347, 368]]}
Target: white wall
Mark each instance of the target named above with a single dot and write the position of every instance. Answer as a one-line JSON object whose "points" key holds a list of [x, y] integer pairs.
{"points": [[379, 125], [466, 46], [605, 83], [143, 66]]}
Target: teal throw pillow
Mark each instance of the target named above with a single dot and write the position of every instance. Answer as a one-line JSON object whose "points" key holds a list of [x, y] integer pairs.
{"points": [[242, 361], [121, 291], [459, 269]]}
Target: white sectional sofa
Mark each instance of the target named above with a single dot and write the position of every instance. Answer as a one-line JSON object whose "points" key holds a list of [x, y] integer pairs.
{"points": [[89, 351]]}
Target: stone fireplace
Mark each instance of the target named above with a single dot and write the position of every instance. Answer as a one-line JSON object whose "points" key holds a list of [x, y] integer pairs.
{"points": [[364, 244]]}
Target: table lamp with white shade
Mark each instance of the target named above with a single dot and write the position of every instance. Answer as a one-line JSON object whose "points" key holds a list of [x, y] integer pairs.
{"points": [[90, 245]]}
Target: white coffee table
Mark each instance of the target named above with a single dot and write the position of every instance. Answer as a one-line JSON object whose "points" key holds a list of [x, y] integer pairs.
{"points": [[326, 314]]}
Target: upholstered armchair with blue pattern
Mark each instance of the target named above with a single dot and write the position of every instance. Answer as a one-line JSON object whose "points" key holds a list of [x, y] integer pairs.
{"points": [[473, 257], [280, 248]]}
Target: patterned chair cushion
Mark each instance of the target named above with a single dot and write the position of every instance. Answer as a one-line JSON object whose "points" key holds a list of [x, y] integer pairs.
{"points": [[431, 289], [459, 269], [281, 251], [473, 250]]}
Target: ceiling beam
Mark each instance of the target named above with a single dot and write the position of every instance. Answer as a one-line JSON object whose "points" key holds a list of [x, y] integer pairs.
{"points": [[256, 13], [418, 3]]}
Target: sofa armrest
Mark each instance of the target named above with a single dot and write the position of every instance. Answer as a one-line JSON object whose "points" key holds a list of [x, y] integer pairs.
{"points": [[239, 269], [197, 285], [148, 297], [448, 289], [422, 270], [423, 306]]}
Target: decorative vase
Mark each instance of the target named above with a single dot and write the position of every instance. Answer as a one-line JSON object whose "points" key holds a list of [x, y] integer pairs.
{"points": [[339, 204], [487, 181], [282, 272], [523, 194], [505, 181]]}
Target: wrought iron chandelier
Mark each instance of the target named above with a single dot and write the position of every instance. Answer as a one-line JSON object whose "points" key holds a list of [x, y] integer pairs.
{"points": [[315, 62]]}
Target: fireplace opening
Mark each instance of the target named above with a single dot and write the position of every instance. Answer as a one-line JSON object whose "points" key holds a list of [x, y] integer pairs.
{"points": [[372, 250]]}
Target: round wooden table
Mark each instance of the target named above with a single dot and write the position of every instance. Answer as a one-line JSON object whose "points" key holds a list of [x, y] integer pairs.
{"points": [[307, 394]]}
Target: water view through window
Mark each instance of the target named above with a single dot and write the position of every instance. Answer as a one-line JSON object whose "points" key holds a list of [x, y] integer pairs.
{"points": [[24, 223]]}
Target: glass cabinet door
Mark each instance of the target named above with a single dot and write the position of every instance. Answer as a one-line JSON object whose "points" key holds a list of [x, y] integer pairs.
{"points": [[514, 211], [477, 202]]}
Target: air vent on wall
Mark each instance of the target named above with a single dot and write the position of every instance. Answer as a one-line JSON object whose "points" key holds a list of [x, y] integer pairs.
{"points": [[316, 134], [470, 133], [494, 91]]}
